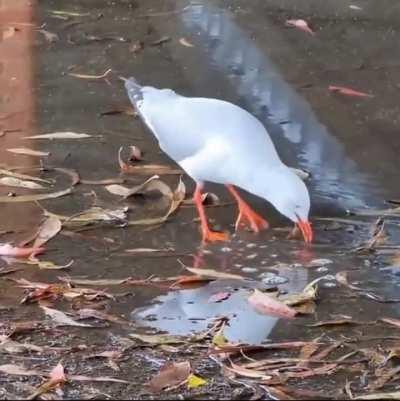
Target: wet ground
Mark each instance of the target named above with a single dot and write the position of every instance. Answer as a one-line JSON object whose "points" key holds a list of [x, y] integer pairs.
{"points": [[234, 50]]}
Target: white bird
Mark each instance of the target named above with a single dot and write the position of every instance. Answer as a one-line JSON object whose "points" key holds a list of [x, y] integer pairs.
{"points": [[217, 141]]}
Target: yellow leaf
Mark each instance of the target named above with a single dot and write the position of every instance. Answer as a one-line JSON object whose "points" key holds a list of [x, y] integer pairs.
{"points": [[219, 339], [194, 381]]}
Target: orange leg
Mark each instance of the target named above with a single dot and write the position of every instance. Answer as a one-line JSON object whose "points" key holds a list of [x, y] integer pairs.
{"points": [[208, 235], [246, 214]]}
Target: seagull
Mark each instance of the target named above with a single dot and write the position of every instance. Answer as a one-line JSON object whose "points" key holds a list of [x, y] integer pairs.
{"points": [[216, 141]]}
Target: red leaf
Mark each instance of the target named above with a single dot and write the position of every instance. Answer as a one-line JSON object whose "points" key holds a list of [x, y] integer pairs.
{"points": [[300, 24], [219, 297], [348, 91], [267, 305]]}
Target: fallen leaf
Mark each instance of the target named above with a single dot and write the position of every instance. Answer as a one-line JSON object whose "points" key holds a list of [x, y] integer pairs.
{"points": [[146, 169], [151, 184], [106, 181], [129, 111], [136, 153], [177, 199], [17, 370], [61, 318], [219, 297], [92, 215], [209, 273], [188, 280], [28, 152], [391, 321], [171, 374], [69, 13], [219, 339], [60, 135], [34, 198], [96, 379], [160, 41], [19, 252], [194, 381], [159, 339], [23, 176], [49, 36], [48, 230], [395, 395], [348, 91], [57, 377], [338, 322], [249, 373], [267, 305], [92, 313], [17, 183], [85, 76], [185, 42], [300, 24], [103, 282], [13, 347]]}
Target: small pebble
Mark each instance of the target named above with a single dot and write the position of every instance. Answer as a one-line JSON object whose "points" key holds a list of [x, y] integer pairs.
{"points": [[322, 269], [251, 245], [238, 265]]}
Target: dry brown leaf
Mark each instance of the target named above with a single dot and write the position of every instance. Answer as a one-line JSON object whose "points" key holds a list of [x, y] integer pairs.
{"points": [[49, 229], [177, 199], [60, 135], [136, 153], [17, 183], [87, 313], [28, 152], [213, 274], [172, 374], [14, 347], [57, 377], [185, 42], [145, 169], [49, 36], [391, 321], [151, 184], [61, 319], [249, 373], [159, 339], [395, 395], [34, 198], [11, 369], [85, 76], [23, 176], [267, 305], [103, 282]]}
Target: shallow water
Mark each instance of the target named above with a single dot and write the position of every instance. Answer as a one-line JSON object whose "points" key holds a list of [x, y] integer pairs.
{"points": [[242, 53]]}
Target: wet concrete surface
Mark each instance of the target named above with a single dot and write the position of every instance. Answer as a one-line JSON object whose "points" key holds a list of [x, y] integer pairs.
{"points": [[242, 52]]}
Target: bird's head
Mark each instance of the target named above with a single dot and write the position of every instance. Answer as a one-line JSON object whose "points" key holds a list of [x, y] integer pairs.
{"points": [[291, 198]]}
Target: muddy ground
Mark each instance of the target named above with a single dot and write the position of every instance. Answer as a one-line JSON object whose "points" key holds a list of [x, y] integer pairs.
{"points": [[344, 342]]}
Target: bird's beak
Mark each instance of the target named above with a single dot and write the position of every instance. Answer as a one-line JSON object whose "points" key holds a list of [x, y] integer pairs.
{"points": [[306, 230]]}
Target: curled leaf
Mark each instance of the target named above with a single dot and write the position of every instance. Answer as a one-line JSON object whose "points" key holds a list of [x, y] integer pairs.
{"points": [[267, 305]]}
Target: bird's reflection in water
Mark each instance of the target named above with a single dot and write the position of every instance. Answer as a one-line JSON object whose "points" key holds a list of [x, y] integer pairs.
{"points": [[191, 310], [300, 138]]}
